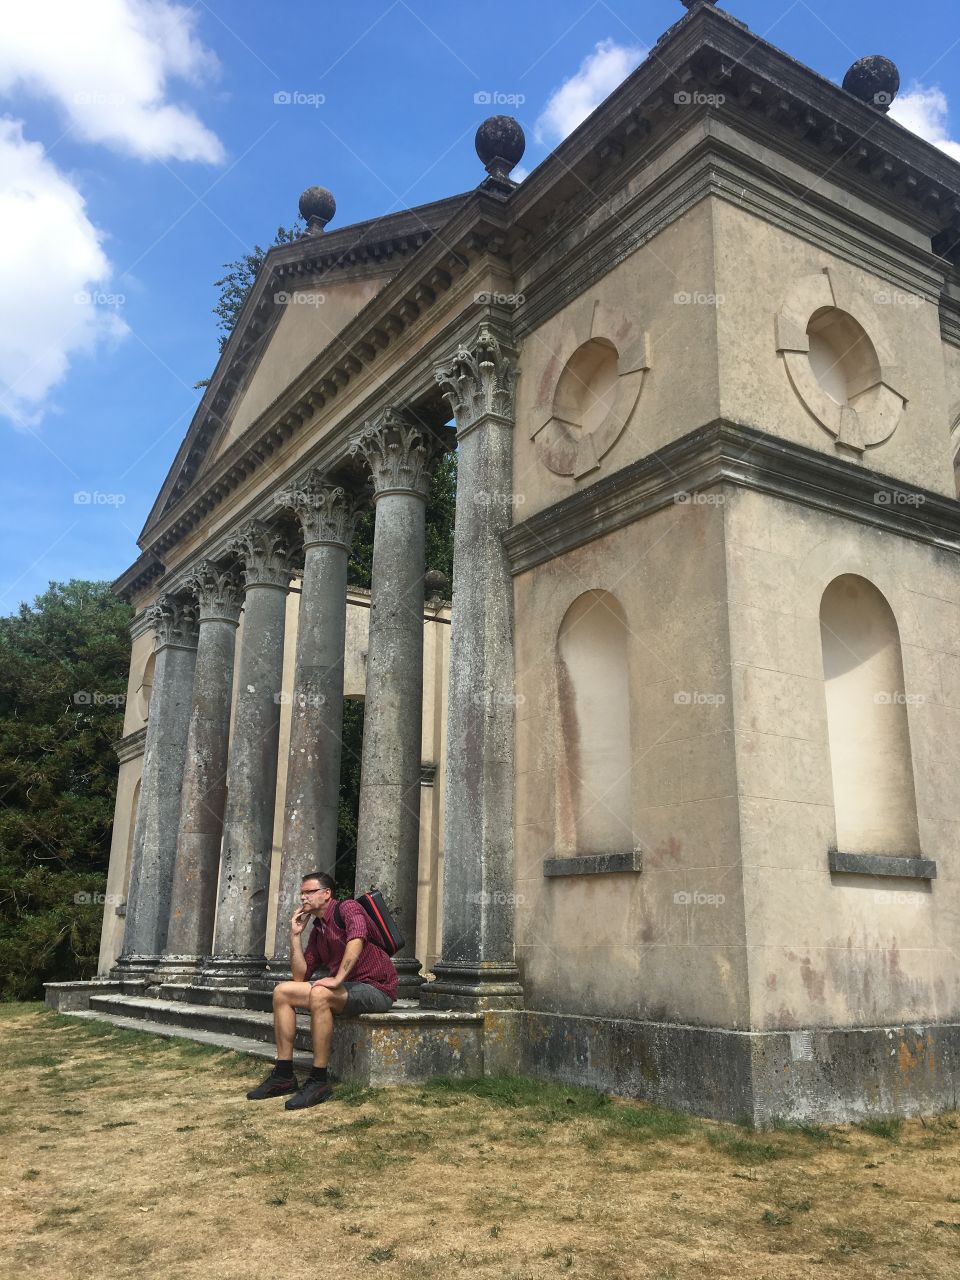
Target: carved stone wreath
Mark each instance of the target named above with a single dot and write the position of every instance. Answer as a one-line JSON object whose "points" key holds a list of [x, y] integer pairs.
{"points": [[590, 389], [872, 407]]}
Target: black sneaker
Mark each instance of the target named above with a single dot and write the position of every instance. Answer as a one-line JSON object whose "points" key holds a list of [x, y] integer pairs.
{"points": [[274, 1087], [313, 1091]]}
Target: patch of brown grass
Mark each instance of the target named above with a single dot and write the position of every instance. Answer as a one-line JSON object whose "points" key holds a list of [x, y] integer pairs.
{"points": [[125, 1155]]}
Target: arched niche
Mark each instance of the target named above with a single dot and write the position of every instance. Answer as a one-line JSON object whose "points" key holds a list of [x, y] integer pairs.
{"points": [[594, 702], [135, 804], [870, 759], [145, 688]]}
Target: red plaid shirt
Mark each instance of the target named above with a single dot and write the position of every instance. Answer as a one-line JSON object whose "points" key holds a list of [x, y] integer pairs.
{"points": [[328, 943]]}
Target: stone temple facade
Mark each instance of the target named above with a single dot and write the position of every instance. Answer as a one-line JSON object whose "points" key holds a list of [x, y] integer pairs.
{"points": [[667, 800]]}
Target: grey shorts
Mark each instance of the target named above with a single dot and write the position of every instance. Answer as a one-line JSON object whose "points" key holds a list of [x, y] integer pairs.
{"points": [[362, 998]]}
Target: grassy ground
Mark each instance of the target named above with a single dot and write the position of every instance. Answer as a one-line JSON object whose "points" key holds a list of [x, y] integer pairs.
{"points": [[126, 1155]]}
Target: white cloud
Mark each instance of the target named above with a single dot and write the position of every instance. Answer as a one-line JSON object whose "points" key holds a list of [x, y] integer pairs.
{"points": [[599, 74], [107, 64], [52, 266], [926, 113]]}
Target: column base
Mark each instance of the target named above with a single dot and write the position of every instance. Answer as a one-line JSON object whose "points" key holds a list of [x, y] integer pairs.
{"points": [[135, 968], [462, 985], [409, 982], [232, 971], [179, 969], [276, 971]]}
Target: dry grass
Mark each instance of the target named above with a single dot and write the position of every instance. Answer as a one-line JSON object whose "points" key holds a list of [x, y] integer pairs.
{"points": [[126, 1155]]}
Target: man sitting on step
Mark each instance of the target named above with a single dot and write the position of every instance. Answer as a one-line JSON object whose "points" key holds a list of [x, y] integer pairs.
{"points": [[341, 954]]}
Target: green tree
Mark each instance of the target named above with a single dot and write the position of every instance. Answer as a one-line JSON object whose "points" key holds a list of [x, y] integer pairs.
{"points": [[63, 673], [238, 281]]}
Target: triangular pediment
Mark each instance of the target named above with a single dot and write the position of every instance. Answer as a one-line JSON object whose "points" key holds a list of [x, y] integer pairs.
{"points": [[304, 295]]}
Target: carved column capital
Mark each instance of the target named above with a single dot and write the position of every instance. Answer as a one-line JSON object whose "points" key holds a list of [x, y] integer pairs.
{"points": [[218, 590], [266, 555], [479, 381], [400, 454], [327, 512], [174, 622]]}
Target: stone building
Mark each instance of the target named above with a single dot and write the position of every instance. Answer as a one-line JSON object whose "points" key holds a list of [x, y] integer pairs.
{"points": [[691, 727]]}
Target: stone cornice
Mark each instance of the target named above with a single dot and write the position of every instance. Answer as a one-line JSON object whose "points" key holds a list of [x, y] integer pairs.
{"points": [[146, 569], [131, 745], [950, 318], [724, 453]]}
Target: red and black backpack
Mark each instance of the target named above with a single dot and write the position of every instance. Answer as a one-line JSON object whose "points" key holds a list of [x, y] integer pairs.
{"points": [[384, 932]]}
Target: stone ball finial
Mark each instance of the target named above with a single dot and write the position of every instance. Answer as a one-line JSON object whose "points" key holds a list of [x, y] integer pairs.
{"points": [[317, 207], [500, 144], [436, 585], [874, 80]]}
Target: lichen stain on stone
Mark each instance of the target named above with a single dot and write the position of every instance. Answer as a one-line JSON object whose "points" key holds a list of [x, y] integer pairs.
{"points": [[814, 981], [918, 1054]]}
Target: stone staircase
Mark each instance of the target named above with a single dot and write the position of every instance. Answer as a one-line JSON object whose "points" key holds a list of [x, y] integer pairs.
{"points": [[405, 1044]]}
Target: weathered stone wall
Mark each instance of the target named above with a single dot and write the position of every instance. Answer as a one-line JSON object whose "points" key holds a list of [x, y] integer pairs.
{"points": [[634, 304], [758, 268], [631, 945], [838, 950]]}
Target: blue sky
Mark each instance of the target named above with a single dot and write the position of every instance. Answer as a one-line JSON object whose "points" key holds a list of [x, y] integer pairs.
{"points": [[141, 147]]}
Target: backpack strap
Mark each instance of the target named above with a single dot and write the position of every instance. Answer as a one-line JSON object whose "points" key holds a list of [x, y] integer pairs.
{"points": [[338, 915]]}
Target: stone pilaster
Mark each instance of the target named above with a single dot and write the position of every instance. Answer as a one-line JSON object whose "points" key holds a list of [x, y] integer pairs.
{"points": [[477, 969], [155, 832], [400, 457], [328, 516], [219, 595], [267, 561]]}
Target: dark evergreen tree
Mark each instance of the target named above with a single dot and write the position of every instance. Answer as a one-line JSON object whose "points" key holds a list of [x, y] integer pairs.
{"points": [[63, 677]]}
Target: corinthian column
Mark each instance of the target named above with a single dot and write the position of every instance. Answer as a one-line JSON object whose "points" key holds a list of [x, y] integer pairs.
{"points": [[400, 457], [219, 595], [155, 832], [240, 937], [477, 968], [327, 515]]}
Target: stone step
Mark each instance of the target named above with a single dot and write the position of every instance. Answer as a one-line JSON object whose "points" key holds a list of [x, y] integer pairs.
{"points": [[238, 1044], [404, 1044]]}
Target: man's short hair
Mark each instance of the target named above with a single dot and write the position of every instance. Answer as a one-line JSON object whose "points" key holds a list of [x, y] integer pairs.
{"points": [[326, 882]]}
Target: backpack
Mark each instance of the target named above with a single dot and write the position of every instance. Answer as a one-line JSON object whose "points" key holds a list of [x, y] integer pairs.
{"points": [[384, 931]]}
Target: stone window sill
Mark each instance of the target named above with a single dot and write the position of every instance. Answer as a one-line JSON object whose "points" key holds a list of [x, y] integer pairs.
{"points": [[882, 864], [593, 864]]}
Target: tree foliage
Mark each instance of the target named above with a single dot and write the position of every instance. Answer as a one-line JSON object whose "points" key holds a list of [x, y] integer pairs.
{"points": [[238, 281], [63, 675]]}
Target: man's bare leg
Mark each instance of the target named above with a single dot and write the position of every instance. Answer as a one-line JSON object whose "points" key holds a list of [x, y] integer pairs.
{"points": [[323, 1004], [288, 997]]}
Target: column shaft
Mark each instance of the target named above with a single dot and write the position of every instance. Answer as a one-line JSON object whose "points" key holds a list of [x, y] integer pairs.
{"points": [[194, 898], [477, 967], [313, 767], [241, 923], [388, 831], [155, 831]]}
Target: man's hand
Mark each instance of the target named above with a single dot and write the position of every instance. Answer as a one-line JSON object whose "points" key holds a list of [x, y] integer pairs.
{"points": [[333, 983], [299, 921]]}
